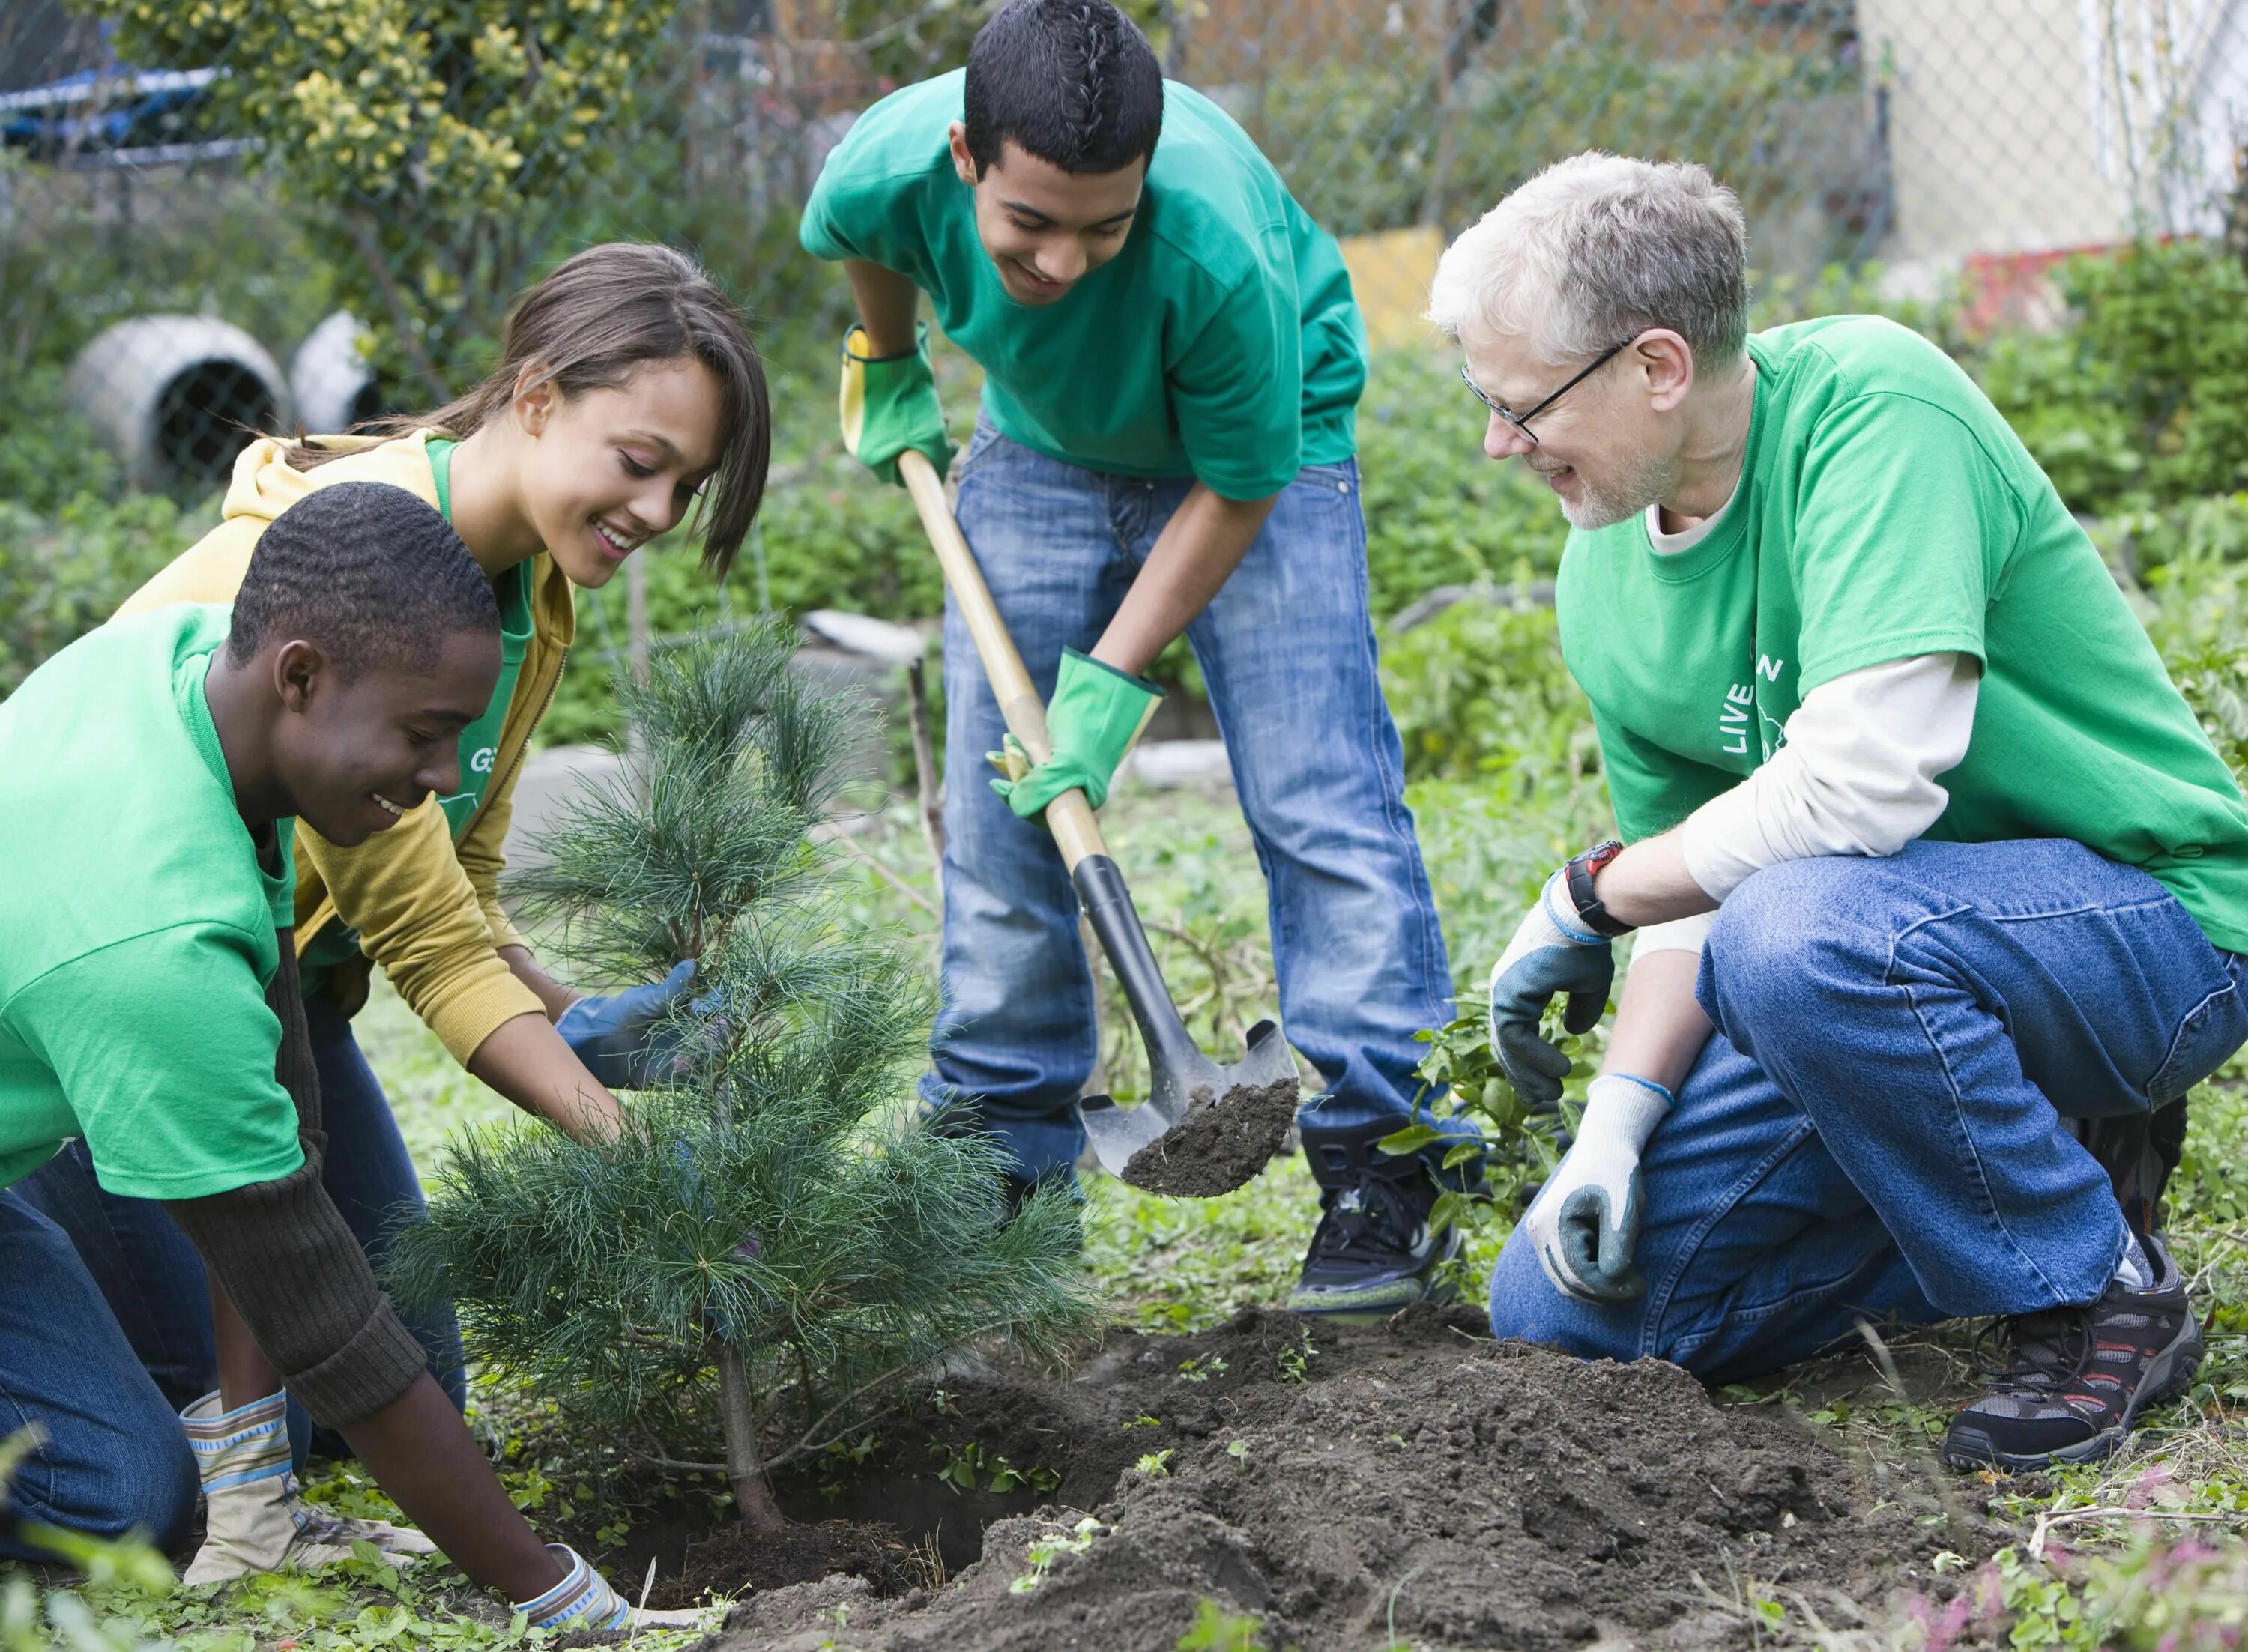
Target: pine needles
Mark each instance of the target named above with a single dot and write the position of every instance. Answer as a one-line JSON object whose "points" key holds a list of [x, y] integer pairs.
{"points": [[775, 1244]]}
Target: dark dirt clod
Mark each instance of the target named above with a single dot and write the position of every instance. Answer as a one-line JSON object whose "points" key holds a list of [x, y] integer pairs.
{"points": [[1220, 1145], [738, 1559], [1504, 1495]]}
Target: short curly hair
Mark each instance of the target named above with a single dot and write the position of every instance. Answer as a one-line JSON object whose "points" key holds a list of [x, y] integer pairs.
{"points": [[368, 571]]}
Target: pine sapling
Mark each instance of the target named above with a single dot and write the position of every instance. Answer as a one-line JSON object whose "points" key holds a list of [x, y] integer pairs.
{"points": [[776, 1244]]}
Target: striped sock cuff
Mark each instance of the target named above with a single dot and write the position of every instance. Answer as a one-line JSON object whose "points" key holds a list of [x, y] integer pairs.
{"points": [[582, 1600], [238, 1447]]}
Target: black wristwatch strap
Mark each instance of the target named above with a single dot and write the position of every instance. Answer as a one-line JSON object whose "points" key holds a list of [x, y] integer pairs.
{"points": [[859, 331], [1579, 874]]}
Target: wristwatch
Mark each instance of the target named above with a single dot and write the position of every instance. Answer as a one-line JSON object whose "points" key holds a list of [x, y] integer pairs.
{"points": [[1579, 874]]}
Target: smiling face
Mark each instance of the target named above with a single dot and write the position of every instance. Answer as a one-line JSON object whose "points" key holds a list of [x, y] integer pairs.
{"points": [[1609, 447], [1045, 229], [607, 471], [354, 755]]}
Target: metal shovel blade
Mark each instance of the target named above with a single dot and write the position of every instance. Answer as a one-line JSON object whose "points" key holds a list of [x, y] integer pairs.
{"points": [[1204, 1130]]}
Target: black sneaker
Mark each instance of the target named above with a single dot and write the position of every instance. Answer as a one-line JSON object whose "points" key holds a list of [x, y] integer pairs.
{"points": [[1373, 1252], [2080, 1376]]}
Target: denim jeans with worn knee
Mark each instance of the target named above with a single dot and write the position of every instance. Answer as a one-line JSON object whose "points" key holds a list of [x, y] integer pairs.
{"points": [[153, 1278], [1287, 649], [1876, 1128]]}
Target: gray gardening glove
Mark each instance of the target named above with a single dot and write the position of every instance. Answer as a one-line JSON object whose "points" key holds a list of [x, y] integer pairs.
{"points": [[1584, 1223], [255, 1519], [583, 1600], [1551, 952]]}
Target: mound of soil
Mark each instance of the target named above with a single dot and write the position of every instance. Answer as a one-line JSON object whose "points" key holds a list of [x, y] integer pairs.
{"points": [[1474, 1494], [1220, 1144]]}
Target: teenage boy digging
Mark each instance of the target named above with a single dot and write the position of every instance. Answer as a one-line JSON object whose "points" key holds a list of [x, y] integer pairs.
{"points": [[1171, 358]]}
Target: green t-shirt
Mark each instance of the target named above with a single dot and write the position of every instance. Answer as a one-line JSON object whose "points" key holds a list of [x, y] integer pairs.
{"points": [[337, 941], [1221, 342], [136, 926], [1886, 510]]}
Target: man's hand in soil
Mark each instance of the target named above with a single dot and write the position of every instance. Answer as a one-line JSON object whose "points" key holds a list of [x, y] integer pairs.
{"points": [[893, 398], [1584, 1223], [621, 1038], [1097, 713], [1551, 952]]}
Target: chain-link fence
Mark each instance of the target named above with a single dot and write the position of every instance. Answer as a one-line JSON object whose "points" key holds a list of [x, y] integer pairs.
{"points": [[220, 215]]}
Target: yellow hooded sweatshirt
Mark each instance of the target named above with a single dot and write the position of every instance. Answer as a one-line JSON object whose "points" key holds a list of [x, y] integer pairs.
{"points": [[426, 907]]}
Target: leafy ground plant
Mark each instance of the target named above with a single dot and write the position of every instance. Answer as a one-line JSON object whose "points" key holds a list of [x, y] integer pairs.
{"points": [[773, 1244]]}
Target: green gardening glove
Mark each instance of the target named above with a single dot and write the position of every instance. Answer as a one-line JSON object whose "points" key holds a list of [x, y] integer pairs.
{"points": [[1097, 711], [888, 404]]}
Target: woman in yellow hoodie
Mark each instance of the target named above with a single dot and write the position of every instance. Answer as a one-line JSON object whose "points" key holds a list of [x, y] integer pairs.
{"points": [[627, 390]]}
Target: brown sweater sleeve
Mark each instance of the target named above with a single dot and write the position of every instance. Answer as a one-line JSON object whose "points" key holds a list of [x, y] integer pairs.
{"points": [[291, 1266]]}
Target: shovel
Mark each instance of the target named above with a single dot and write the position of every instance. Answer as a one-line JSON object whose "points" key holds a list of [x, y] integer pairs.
{"points": [[1204, 1130]]}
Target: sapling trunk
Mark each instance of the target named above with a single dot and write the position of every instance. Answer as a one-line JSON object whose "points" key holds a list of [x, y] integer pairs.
{"points": [[746, 1468]]}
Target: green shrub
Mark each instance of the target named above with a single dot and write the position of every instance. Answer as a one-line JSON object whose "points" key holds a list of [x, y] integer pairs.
{"points": [[48, 455], [1437, 510], [2195, 603], [60, 576], [2141, 398], [1480, 693], [2067, 415]]}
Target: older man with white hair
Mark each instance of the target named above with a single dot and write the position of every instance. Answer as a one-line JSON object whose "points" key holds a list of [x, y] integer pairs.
{"points": [[1930, 863]]}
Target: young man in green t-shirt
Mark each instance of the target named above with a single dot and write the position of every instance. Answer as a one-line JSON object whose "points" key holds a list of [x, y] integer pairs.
{"points": [[149, 1007], [1936, 873], [1172, 359]]}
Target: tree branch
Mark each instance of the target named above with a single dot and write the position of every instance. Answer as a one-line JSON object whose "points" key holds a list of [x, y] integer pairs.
{"points": [[897, 882]]}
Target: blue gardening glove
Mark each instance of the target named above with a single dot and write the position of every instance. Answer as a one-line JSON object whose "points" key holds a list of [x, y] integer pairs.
{"points": [[1584, 1224], [621, 1038], [1551, 952], [584, 1601], [1096, 713]]}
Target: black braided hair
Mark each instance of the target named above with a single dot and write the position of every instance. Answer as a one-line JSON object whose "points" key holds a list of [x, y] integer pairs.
{"points": [[368, 572], [1074, 82]]}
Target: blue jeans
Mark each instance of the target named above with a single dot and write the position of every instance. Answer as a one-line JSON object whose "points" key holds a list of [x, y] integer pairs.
{"points": [[1286, 648], [1875, 1128], [115, 1459], [153, 1278]]}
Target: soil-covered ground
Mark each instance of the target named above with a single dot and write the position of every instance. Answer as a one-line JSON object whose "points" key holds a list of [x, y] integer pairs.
{"points": [[1411, 1482]]}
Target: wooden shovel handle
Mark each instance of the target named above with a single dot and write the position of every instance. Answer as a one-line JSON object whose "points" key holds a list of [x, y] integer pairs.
{"points": [[1069, 816]]}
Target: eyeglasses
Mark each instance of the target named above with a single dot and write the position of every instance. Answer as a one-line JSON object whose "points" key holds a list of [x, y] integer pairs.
{"points": [[1521, 420]]}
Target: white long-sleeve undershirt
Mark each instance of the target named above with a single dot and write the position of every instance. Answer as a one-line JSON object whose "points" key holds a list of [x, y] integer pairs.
{"points": [[1857, 775]]}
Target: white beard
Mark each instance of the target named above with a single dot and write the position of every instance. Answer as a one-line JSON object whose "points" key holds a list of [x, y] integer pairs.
{"points": [[1599, 505]]}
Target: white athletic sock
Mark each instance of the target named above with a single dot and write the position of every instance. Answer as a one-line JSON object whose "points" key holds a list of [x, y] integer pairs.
{"points": [[2136, 1271]]}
